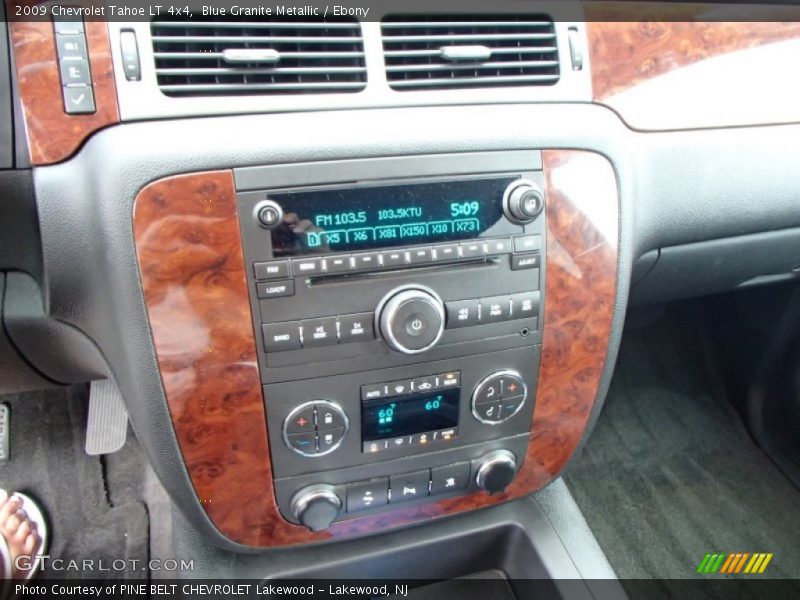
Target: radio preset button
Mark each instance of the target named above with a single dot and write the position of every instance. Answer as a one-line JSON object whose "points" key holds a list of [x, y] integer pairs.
{"points": [[338, 264], [280, 337], [495, 309], [446, 252], [367, 262], [409, 486], [319, 332], [472, 249], [393, 258], [306, 266], [276, 269], [527, 243], [275, 289], [462, 313], [418, 256], [525, 305], [367, 494], [450, 478], [356, 328], [498, 246], [525, 261]]}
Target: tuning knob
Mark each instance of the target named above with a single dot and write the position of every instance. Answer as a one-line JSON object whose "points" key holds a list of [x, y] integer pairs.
{"points": [[523, 201], [316, 506], [411, 320], [497, 469]]}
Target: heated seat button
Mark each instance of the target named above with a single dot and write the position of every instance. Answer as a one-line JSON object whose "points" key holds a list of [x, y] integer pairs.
{"points": [[367, 494], [409, 486], [488, 412], [301, 421], [356, 328], [279, 337], [319, 332], [495, 309], [489, 391], [450, 478], [462, 313]]}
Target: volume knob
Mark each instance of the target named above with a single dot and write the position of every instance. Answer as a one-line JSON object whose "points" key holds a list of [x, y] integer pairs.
{"points": [[411, 320], [523, 201], [496, 471]]}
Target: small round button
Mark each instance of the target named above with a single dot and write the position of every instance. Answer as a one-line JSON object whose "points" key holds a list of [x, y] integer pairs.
{"points": [[316, 506], [411, 320], [269, 214], [497, 469], [523, 201]]}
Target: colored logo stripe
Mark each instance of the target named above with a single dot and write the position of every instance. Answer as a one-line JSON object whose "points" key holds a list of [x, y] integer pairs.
{"points": [[734, 563]]}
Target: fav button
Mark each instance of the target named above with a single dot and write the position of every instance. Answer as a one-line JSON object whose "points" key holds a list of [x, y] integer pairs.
{"points": [[409, 486], [364, 495], [319, 332], [450, 478], [276, 269]]}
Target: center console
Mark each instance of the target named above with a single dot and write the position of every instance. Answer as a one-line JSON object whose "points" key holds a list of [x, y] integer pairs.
{"points": [[397, 310]]}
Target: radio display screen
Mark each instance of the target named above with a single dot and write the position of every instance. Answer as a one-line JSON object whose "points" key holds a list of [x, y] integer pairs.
{"points": [[363, 218], [406, 415]]}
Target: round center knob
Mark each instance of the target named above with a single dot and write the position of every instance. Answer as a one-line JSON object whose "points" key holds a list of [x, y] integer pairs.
{"points": [[411, 320], [316, 506]]}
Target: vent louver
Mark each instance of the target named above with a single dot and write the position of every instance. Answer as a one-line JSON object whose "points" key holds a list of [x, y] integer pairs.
{"points": [[424, 52], [201, 57]]}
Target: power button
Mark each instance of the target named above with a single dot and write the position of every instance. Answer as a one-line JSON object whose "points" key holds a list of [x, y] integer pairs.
{"points": [[412, 320]]}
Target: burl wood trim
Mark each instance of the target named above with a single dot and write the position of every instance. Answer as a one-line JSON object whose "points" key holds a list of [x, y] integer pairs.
{"points": [[52, 134], [193, 274], [626, 54]]}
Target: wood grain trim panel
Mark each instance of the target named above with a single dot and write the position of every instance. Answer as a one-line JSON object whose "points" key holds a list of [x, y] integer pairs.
{"points": [[626, 54], [52, 134], [191, 262]]}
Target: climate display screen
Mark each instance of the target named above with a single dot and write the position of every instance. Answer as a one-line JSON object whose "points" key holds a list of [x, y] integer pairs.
{"points": [[352, 219], [407, 415]]}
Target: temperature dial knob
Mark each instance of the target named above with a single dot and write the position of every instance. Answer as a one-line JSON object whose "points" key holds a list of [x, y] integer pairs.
{"points": [[523, 201], [411, 320], [497, 469], [316, 506]]}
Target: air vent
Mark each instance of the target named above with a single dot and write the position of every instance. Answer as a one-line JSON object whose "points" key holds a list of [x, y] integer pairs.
{"points": [[200, 57], [446, 52]]}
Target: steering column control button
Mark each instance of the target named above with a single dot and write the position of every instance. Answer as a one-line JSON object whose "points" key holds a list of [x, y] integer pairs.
{"points": [[280, 337], [498, 397], [462, 313], [450, 478], [409, 486], [276, 269], [319, 332], [367, 494], [411, 320], [356, 328]]}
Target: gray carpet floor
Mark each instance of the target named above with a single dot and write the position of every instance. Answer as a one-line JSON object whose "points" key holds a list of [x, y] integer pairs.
{"points": [[93, 505], [670, 472]]}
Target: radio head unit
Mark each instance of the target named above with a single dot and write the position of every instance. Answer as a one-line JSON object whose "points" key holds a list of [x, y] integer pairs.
{"points": [[399, 328]]}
